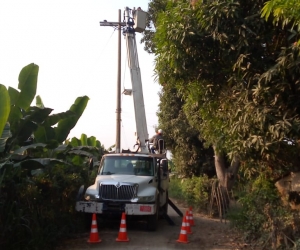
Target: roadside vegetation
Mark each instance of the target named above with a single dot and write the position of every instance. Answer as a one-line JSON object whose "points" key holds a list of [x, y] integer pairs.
{"points": [[194, 192], [40, 169], [229, 72]]}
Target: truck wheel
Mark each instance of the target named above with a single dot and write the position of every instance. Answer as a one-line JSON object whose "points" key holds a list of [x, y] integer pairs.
{"points": [[80, 193], [152, 220], [164, 208], [87, 221]]}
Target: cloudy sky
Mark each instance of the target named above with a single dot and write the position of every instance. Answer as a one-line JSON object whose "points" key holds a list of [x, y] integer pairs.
{"points": [[76, 57]]}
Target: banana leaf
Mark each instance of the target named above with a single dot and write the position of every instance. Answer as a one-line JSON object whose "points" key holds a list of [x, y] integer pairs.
{"points": [[38, 102], [4, 107], [65, 126], [24, 148], [5, 135], [14, 95], [27, 85]]}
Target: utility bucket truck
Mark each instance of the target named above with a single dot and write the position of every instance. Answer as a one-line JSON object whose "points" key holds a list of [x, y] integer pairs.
{"points": [[133, 182]]}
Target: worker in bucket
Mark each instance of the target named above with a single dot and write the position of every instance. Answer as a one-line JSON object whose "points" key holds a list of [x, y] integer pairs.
{"points": [[155, 140]]}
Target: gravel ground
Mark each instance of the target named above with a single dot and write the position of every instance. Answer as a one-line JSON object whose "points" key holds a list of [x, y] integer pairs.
{"points": [[208, 233]]}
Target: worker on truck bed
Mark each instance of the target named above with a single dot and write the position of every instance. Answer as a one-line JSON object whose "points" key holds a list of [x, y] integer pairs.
{"points": [[154, 140]]}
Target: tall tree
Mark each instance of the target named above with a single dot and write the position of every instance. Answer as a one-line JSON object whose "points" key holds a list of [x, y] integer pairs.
{"points": [[284, 13], [189, 154], [237, 75]]}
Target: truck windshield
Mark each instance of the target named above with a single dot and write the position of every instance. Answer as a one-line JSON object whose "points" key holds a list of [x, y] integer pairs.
{"points": [[127, 165]]}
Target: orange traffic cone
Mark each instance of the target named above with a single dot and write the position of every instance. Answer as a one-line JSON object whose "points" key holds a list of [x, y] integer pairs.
{"points": [[187, 217], [123, 232], [183, 233], [192, 223], [94, 236]]}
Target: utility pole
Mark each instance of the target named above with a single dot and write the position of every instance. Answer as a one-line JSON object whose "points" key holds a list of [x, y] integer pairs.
{"points": [[117, 25]]}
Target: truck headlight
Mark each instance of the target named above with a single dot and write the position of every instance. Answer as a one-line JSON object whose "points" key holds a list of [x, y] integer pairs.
{"points": [[91, 197], [146, 198]]}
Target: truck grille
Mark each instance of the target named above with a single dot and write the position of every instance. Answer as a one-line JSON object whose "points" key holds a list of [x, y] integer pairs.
{"points": [[119, 191]]}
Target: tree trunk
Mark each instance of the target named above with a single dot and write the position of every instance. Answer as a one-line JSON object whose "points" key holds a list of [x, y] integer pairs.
{"points": [[226, 177]]}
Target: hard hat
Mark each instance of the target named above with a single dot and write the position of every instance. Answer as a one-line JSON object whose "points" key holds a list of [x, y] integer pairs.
{"points": [[160, 131]]}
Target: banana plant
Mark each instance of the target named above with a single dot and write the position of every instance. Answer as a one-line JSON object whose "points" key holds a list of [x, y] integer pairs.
{"points": [[36, 122], [33, 137], [4, 113], [35, 156], [87, 144], [31, 130]]}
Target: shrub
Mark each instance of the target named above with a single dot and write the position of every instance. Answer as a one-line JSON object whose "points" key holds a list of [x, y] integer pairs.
{"points": [[259, 212], [175, 189], [37, 211], [194, 191]]}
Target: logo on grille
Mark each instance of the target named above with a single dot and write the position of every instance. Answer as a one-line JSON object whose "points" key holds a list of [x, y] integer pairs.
{"points": [[118, 185]]}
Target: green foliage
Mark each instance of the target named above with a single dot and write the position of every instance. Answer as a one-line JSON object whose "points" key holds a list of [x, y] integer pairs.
{"points": [[39, 177], [39, 193], [5, 135], [197, 191], [36, 211], [194, 191], [155, 7], [39, 102], [84, 141], [257, 208], [175, 190], [4, 107], [27, 85], [284, 12], [64, 126], [26, 121], [232, 79], [188, 152], [236, 76]]}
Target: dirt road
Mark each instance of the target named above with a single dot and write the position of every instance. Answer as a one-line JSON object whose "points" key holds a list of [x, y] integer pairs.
{"points": [[210, 234]]}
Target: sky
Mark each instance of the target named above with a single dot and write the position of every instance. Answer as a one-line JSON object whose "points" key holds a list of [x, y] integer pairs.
{"points": [[77, 57]]}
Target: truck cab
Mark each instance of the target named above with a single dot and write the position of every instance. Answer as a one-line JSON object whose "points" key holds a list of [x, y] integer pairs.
{"points": [[136, 184]]}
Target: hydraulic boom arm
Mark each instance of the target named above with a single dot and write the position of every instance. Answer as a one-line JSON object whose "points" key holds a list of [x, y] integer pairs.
{"points": [[136, 81]]}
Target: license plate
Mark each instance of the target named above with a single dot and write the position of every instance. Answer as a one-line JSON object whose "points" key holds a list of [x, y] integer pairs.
{"points": [[145, 208]]}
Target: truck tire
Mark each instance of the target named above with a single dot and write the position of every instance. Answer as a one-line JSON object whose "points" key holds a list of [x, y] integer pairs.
{"points": [[164, 208], [80, 193], [152, 220], [87, 217]]}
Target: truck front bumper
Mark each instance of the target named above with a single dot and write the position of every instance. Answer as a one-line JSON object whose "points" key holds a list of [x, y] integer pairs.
{"points": [[128, 208]]}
